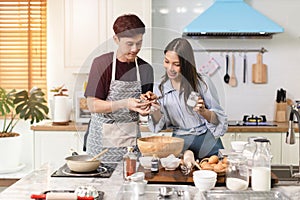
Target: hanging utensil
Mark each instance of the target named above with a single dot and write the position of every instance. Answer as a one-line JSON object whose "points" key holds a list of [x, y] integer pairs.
{"points": [[226, 77], [244, 68], [232, 80]]}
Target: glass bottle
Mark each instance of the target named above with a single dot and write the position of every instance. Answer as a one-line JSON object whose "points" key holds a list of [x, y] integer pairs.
{"points": [[249, 150], [154, 164], [237, 174], [129, 163], [261, 168]]}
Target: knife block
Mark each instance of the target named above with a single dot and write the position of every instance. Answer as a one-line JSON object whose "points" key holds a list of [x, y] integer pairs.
{"points": [[280, 112]]}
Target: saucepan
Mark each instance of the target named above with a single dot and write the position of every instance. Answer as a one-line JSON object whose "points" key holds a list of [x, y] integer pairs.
{"points": [[84, 163]]}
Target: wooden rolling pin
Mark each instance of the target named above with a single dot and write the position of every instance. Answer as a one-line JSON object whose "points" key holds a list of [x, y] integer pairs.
{"points": [[60, 196]]}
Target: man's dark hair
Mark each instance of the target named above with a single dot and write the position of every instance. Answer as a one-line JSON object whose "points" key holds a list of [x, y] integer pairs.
{"points": [[128, 25]]}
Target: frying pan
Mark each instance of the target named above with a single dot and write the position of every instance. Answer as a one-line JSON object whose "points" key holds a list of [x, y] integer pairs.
{"points": [[84, 163]]}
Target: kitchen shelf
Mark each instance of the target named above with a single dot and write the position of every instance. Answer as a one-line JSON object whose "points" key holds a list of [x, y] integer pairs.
{"points": [[262, 50]]}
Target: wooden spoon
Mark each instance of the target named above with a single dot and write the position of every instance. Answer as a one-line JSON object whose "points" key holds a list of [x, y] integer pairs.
{"points": [[232, 80], [98, 155], [227, 77]]}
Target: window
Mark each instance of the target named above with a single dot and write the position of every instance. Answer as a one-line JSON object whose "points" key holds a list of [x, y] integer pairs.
{"points": [[23, 44]]}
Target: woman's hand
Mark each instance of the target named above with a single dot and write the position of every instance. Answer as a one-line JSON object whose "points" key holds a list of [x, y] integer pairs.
{"points": [[200, 108]]}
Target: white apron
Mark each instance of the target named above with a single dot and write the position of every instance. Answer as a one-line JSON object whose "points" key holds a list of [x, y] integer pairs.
{"points": [[119, 129]]}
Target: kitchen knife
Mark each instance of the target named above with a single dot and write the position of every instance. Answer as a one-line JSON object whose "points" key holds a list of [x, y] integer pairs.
{"points": [[278, 96], [60, 196], [244, 68]]}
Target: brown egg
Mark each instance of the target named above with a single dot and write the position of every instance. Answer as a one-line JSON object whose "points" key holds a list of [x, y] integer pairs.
{"points": [[219, 167], [225, 160], [224, 165], [203, 164], [213, 159], [207, 166]]}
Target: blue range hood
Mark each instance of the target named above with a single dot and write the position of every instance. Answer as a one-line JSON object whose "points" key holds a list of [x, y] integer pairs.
{"points": [[231, 19]]}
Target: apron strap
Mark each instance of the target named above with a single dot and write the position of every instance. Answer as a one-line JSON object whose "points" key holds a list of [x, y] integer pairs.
{"points": [[113, 72]]}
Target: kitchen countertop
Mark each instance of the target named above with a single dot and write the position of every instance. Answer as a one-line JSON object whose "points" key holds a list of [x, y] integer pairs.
{"points": [[280, 128], [40, 180]]}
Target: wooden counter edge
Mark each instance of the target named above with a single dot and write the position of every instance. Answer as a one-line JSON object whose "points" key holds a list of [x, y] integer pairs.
{"points": [[281, 127]]}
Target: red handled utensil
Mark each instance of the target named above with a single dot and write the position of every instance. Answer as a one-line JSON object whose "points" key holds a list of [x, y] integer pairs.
{"points": [[60, 195]]}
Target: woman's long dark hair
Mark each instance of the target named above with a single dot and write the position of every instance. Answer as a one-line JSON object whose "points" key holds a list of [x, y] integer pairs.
{"points": [[190, 77]]}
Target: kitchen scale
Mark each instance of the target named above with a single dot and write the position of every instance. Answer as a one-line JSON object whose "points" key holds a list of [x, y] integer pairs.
{"points": [[105, 170]]}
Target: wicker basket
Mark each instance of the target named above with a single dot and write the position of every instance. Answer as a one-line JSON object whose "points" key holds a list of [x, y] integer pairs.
{"points": [[162, 146]]}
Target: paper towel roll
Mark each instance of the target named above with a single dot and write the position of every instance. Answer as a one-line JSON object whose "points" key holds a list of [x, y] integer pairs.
{"points": [[61, 109]]}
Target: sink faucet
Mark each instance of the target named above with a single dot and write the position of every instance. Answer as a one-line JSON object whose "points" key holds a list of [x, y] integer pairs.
{"points": [[290, 135]]}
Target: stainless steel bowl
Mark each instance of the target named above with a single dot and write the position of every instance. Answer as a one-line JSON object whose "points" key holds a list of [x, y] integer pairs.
{"points": [[166, 191]]}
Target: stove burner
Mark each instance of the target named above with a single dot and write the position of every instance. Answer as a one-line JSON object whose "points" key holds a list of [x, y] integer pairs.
{"points": [[100, 170], [252, 120], [105, 170], [261, 118]]}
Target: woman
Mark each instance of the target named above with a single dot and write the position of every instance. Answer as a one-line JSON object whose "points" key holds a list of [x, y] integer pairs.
{"points": [[115, 83], [200, 125]]}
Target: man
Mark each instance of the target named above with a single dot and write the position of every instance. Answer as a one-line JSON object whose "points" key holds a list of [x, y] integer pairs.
{"points": [[115, 83]]}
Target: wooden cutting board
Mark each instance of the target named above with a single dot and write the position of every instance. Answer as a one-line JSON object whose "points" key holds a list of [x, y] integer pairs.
{"points": [[259, 71], [176, 177]]}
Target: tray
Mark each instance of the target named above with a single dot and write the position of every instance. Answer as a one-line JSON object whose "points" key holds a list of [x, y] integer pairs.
{"points": [[152, 192], [244, 195]]}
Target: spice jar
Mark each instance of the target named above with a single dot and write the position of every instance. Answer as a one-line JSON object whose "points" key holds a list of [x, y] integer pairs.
{"points": [[129, 163], [237, 174], [154, 164]]}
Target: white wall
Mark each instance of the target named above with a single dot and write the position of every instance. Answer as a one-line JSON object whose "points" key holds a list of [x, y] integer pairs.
{"points": [[282, 57]]}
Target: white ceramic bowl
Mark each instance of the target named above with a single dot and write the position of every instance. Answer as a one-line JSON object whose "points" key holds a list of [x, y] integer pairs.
{"points": [[238, 146], [145, 161], [205, 174], [170, 162], [204, 184]]}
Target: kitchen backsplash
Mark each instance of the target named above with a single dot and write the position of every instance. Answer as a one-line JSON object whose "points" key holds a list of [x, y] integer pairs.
{"points": [[282, 58]]}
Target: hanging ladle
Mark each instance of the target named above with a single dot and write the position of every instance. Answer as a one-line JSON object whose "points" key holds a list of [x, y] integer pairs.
{"points": [[98, 155], [227, 77]]}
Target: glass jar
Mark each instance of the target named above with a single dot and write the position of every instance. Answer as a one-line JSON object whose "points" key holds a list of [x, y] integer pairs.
{"points": [[237, 174], [261, 168], [154, 164], [249, 150], [129, 163]]}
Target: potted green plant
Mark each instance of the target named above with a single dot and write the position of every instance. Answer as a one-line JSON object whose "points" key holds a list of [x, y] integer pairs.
{"points": [[15, 106]]}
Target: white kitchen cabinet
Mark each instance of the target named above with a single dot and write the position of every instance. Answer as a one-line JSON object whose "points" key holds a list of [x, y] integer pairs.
{"points": [[88, 28], [53, 146], [275, 139], [227, 138], [290, 153]]}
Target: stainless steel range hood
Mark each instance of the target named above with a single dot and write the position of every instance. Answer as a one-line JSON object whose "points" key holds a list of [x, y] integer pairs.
{"points": [[231, 19]]}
